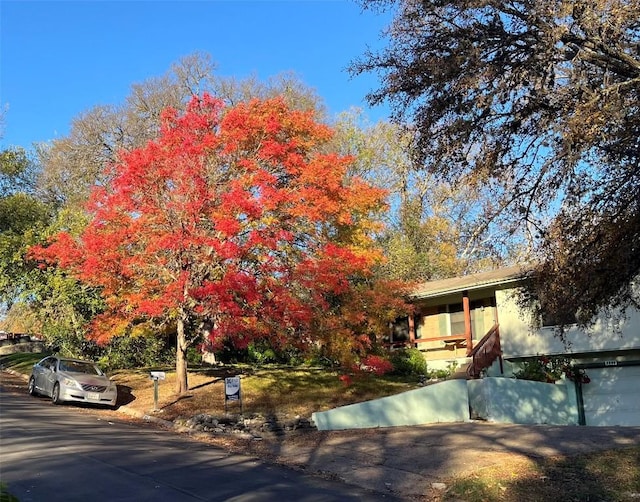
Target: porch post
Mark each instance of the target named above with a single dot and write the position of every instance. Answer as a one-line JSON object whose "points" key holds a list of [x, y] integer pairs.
{"points": [[467, 321]]}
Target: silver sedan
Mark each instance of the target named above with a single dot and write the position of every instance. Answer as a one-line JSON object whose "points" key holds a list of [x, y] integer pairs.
{"points": [[72, 380]]}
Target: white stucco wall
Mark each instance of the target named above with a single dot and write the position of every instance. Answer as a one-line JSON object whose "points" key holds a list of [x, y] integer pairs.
{"points": [[507, 400], [519, 339], [446, 401]]}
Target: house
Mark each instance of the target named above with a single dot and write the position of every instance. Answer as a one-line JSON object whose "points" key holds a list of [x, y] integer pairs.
{"points": [[477, 323], [477, 326], [453, 317]]}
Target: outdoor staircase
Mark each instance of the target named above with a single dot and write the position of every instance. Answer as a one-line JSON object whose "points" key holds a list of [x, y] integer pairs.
{"points": [[484, 354], [460, 373]]}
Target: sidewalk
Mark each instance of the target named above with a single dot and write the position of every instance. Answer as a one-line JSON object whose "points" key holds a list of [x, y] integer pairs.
{"points": [[404, 461]]}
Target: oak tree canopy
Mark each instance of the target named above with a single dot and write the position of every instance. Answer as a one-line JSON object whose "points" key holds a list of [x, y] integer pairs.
{"points": [[538, 103]]}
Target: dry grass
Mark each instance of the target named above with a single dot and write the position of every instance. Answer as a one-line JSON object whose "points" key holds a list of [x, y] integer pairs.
{"points": [[266, 391], [612, 475]]}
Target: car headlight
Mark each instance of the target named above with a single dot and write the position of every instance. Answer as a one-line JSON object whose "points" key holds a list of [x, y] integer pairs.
{"points": [[70, 382]]}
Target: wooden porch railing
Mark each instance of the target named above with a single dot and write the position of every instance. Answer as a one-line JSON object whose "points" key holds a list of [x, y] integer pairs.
{"points": [[485, 353], [458, 341]]}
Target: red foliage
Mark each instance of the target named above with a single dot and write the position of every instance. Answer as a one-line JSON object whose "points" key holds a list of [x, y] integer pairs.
{"points": [[346, 380], [236, 216], [376, 364]]}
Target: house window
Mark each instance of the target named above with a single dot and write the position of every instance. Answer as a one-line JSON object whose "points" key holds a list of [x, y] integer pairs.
{"points": [[549, 320], [456, 319], [448, 320], [443, 320], [483, 316]]}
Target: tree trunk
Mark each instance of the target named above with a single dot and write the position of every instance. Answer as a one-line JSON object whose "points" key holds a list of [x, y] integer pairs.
{"points": [[182, 384]]}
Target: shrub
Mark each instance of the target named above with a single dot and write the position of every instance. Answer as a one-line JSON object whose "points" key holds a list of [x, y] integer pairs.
{"points": [[72, 344], [229, 354], [135, 352], [550, 369], [258, 352], [377, 365], [444, 372], [408, 362], [261, 353], [194, 356]]}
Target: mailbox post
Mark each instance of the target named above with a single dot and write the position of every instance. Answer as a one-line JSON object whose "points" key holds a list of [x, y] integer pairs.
{"points": [[155, 376]]}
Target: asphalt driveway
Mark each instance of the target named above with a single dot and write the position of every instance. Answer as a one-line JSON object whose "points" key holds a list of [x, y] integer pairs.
{"points": [[409, 460]]}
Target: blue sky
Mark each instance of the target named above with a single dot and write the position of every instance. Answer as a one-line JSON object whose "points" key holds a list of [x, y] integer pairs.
{"points": [[61, 58]]}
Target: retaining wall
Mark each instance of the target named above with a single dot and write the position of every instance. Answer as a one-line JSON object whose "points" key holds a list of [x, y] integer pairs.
{"points": [[441, 402], [509, 400]]}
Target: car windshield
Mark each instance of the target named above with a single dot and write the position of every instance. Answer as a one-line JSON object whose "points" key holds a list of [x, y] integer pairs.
{"points": [[79, 367]]}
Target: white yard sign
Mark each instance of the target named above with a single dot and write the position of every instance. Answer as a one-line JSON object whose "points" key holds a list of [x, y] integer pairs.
{"points": [[232, 391], [232, 388]]}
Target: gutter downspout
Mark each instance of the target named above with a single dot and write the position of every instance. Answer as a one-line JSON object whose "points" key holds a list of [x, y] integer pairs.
{"points": [[581, 417]]}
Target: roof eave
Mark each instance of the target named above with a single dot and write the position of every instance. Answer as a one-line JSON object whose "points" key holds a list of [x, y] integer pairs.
{"points": [[472, 287], [493, 279]]}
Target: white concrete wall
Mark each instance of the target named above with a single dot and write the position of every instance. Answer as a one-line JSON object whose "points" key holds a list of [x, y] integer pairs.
{"points": [[519, 339], [507, 400], [446, 401], [447, 364]]}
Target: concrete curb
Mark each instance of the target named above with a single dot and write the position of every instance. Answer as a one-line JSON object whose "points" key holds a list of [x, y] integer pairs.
{"points": [[15, 373], [146, 417]]}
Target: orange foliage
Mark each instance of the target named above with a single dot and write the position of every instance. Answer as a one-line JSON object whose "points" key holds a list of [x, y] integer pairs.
{"points": [[235, 216]]}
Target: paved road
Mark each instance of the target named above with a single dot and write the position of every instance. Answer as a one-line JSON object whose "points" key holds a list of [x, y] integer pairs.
{"points": [[405, 461], [58, 453]]}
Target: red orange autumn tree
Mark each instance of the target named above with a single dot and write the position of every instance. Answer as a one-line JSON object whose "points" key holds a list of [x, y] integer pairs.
{"points": [[237, 219]]}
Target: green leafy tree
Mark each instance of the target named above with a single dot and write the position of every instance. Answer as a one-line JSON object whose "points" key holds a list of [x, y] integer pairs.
{"points": [[536, 103], [21, 214], [48, 303]]}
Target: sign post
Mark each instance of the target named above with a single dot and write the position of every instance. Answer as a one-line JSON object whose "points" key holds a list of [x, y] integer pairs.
{"points": [[232, 391], [155, 376]]}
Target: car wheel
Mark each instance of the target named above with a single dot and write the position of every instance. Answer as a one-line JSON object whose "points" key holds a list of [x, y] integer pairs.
{"points": [[32, 387], [55, 395]]}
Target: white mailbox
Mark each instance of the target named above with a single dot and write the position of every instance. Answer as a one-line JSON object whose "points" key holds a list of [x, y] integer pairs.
{"points": [[158, 375]]}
